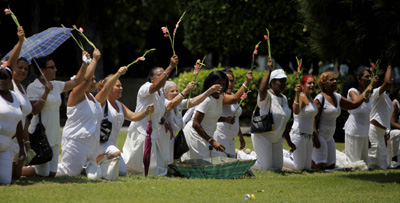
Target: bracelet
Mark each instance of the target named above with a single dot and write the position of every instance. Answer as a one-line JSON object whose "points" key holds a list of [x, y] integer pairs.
{"points": [[42, 101], [297, 103], [181, 94], [165, 74], [244, 85], [211, 139], [27, 141]]}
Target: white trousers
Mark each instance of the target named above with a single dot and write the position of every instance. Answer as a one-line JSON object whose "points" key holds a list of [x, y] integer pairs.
{"points": [[327, 151], [51, 166], [302, 154], [269, 151], [76, 153], [5, 167], [133, 151], [228, 143], [377, 155], [109, 148], [356, 148], [243, 156], [394, 145]]}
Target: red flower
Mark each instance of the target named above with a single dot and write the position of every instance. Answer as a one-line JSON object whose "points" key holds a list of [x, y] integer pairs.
{"points": [[255, 52], [371, 68], [140, 58], [265, 37], [244, 96], [7, 11], [166, 35]]}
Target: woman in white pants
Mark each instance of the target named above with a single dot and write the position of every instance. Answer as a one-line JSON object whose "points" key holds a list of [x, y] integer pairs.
{"points": [[200, 130], [380, 115], [46, 100], [175, 102], [80, 135], [110, 92], [268, 145], [329, 105], [226, 133], [133, 150], [10, 122], [304, 112], [357, 125], [394, 135]]}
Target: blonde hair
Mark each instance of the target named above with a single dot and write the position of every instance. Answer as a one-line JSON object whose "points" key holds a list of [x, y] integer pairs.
{"points": [[323, 78]]}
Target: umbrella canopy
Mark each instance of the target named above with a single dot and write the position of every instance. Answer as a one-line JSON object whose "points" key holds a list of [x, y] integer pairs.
{"points": [[147, 147], [43, 43], [217, 167]]}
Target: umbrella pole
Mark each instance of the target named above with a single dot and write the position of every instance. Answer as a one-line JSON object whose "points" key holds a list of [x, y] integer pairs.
{"points": [[40, 70]]}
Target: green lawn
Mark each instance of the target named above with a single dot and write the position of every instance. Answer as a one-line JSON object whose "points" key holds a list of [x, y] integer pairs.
{"points": [[267, 186]]}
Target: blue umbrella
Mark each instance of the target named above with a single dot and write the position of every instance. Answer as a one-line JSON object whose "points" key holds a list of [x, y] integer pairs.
{"points": [[43, 43]]}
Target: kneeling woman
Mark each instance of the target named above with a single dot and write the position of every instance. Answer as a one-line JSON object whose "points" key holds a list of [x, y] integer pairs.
{"points": [[200, 130]]}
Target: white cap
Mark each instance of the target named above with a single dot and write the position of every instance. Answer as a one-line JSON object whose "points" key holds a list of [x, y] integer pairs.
{"points": [[277, 74]]}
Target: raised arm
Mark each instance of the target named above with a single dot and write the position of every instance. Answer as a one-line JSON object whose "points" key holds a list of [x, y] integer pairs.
{"points": [[70, 84], [101, 97], [265, 81], [132, 116], [388, 80], [178, 98], [160, 81], [297, 103], [17, 49], [78, 93], [232, 99], [201, 97], [347, 104]]}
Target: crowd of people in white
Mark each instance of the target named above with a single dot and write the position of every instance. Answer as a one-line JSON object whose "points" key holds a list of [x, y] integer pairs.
{"points": [[209, 126]]}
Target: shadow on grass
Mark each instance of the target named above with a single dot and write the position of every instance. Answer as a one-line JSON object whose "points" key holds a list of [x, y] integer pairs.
{"points": [[25, 181], [382, 176]]}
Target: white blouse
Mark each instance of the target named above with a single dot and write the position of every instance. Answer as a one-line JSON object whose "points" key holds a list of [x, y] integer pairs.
{"points": [[51, 109], [382, 108], [329, 113], [304, 121], [223, 131], [117, 119], [26, 105], [144, 98], [10, 115], [83, 120], [358, 122], [174, 116]]}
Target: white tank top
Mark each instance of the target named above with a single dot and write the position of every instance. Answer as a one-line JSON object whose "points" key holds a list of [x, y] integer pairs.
{"points": [[305, 119], [10, 115], [117, 119]]}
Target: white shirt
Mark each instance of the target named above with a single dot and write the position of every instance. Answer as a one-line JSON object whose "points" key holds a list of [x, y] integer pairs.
{"points": [[223, 131], [398, 109], [174, 116], [117, 119], [382, 108], [83, 120], [304, 121], [358, 122], [144, 98], [10, 115], [329, 113], [51, 109], [26, 105], [280, 113]]}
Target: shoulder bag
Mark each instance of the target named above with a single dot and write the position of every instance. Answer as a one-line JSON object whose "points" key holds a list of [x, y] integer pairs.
{"points": [[261, 124], [40, 145], [105, 126]]}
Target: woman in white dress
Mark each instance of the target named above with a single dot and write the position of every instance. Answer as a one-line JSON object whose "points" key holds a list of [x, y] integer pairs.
{"points": [[200, 130], [226, 133], [133, 150], [381, 112], [394, 135], [357, 125], [110, 92], [10, 122], [175, 102], [80, 135], [304, 112], [20, 69], [46, 100], [324, 152]]}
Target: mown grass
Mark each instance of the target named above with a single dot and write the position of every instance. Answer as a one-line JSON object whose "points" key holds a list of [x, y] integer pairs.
{"points": [[267, 186]]}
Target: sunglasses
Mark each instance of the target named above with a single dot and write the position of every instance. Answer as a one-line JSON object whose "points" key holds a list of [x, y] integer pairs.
{"points": [[52, 67]]}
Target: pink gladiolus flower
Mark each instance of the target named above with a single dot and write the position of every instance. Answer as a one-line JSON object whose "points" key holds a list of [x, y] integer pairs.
{"points": [[372, 64], [7, 11], [175, 30], [198, 61], [299, 70], [80, 29], [166, 35], [164, 30], [244, 96], [255, 52], [265, 37], [371, 68], [177, 25], [140, 58], [74, 26]]}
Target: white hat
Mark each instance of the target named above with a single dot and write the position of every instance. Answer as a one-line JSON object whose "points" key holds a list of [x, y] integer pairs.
{"points": [[277, 74]]}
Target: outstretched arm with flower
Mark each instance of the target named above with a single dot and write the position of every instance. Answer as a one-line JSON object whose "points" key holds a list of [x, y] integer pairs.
{"points": [[232, 99]]}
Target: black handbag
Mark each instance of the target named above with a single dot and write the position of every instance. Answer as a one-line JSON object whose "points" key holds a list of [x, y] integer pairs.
{"points": [[40, 145], [105, 126], [261, 124], [180, 145]]}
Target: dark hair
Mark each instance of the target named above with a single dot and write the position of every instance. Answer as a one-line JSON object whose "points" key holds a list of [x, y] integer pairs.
{"points": [[352, 80], [41, 62], [212, 78], [22, 59], [151, 73], [5, 73], [227, 71]]}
